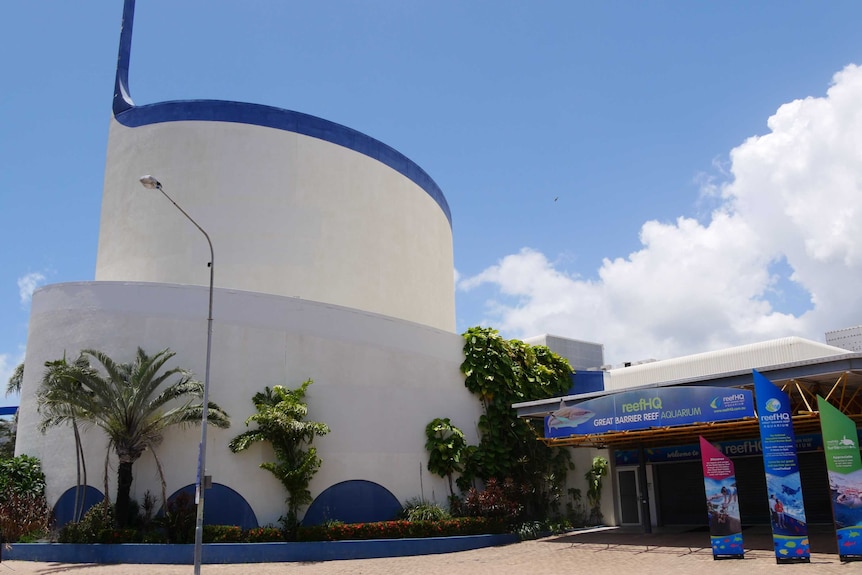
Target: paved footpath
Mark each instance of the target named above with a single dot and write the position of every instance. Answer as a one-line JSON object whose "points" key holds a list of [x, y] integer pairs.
{"points": [[551, 555]]}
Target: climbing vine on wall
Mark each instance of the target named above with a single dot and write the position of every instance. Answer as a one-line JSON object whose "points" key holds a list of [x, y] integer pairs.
{"points": [[502, 372]]}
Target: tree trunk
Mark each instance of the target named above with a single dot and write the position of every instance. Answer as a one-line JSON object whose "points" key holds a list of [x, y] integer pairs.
{"points": [[124, 487], [75, 515]]}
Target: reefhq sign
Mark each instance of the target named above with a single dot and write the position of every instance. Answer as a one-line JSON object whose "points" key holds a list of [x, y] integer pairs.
{"points": [[655, 407], [691, 451]]}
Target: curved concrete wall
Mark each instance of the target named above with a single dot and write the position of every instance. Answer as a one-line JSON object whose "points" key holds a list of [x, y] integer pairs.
{"points": [[335, 216], [377, 382]]}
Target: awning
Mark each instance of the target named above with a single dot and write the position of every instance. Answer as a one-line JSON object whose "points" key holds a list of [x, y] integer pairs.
{"points": [[841, 389]]}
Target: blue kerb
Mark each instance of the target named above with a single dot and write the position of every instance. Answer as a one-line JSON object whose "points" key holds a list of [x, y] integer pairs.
{"points": [[249, 552]]}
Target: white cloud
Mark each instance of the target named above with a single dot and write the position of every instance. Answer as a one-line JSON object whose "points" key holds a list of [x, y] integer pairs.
{"points": [[27, 285], [793, 195]]}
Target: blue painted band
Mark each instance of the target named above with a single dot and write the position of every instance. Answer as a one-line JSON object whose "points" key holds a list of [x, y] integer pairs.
{"points": [[8, 410], [139, 553], [280, 119], [122, 99]]}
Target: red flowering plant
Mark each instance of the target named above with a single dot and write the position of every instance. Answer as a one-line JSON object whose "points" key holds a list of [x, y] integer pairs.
{"points": [[499, 501], [263, 535], [400, 529]]}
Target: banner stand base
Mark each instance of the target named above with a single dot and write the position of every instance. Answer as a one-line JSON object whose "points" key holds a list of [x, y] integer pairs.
{"points": [[786, 560]]}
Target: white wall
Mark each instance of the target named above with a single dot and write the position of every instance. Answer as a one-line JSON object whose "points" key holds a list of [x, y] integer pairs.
{"points": [[288, 214], [378, 382], [582, 457]]}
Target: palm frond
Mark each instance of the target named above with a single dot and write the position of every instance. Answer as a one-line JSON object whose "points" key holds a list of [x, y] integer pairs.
{"points": [[15, 381], [132, 403]]}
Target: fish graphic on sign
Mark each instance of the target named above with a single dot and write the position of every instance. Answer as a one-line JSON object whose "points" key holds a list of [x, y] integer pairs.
{"points": [[846, 442], [571, 416]]}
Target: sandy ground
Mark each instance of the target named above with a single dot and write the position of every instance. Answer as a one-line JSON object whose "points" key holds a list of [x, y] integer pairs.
{"points": [[551, 555]]}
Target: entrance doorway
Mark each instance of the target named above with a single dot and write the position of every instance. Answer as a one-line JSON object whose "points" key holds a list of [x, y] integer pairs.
{"points": [[629, 496]]}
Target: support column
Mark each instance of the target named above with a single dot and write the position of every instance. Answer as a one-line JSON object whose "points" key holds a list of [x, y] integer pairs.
{"points": [[646, 520]]}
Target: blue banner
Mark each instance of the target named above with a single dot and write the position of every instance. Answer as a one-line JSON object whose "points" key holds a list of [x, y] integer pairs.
{"points": [[653, 407], [783, 483], [691, 451]]}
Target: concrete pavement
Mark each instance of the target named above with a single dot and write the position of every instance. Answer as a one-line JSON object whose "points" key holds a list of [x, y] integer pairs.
{"points": [[610, 552]]}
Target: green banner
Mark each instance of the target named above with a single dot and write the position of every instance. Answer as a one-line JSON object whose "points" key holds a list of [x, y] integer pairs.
{"points": [[844, 465]]}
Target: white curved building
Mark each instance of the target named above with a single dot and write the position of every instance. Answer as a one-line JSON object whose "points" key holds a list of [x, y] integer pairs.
{"points": [[333, 261], [295, 206]]}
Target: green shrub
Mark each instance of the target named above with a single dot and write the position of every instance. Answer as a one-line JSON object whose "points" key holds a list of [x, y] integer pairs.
{"points": [[179, 520], [157, 536], [528, 530], [117, 535], [97, 527], [557, 526], [222, 534], [22, 474], [420, 510], [33, 536], [23, 507], [92, 526]]}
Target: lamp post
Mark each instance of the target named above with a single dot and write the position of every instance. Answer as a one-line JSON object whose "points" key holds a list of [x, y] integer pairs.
{"points": [[152, 183]]}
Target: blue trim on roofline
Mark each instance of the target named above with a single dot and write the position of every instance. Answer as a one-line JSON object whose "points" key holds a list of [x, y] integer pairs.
{"points": [[133, 116], [287, 120], [122, 99]]}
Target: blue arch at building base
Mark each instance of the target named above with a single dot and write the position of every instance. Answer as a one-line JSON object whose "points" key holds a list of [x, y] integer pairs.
{"points": [[223, 506], [353, 501], [216, 553], [64, 509]]}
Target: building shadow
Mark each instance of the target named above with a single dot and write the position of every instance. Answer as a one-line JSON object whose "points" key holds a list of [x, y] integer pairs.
{"points": [[691, 537]]}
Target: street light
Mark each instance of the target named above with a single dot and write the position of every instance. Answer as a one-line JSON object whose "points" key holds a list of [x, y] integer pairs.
{"points": [[151, 183]]}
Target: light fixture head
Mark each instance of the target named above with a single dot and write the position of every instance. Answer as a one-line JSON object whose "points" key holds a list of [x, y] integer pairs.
{"points": [[150, 182]]}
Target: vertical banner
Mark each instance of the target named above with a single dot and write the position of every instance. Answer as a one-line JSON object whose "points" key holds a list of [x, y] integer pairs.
{"points": [[840, 445], [783, 483], [722, 503]]}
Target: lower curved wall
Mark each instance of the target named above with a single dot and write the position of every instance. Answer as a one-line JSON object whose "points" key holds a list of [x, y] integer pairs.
{"points": [[214, 553], [377, 382]]}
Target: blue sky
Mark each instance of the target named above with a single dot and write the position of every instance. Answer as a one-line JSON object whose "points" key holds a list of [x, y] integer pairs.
{"points": [[661, 177]]}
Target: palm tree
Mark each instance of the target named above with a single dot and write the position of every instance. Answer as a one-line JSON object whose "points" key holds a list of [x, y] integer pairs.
{"points": [[55, 413], [14, 384], [125, 401], [7, 439], [8, 428], [279, 418]]}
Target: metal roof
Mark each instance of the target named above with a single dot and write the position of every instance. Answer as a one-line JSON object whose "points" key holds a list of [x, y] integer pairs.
{"points": [[713, 363]]}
